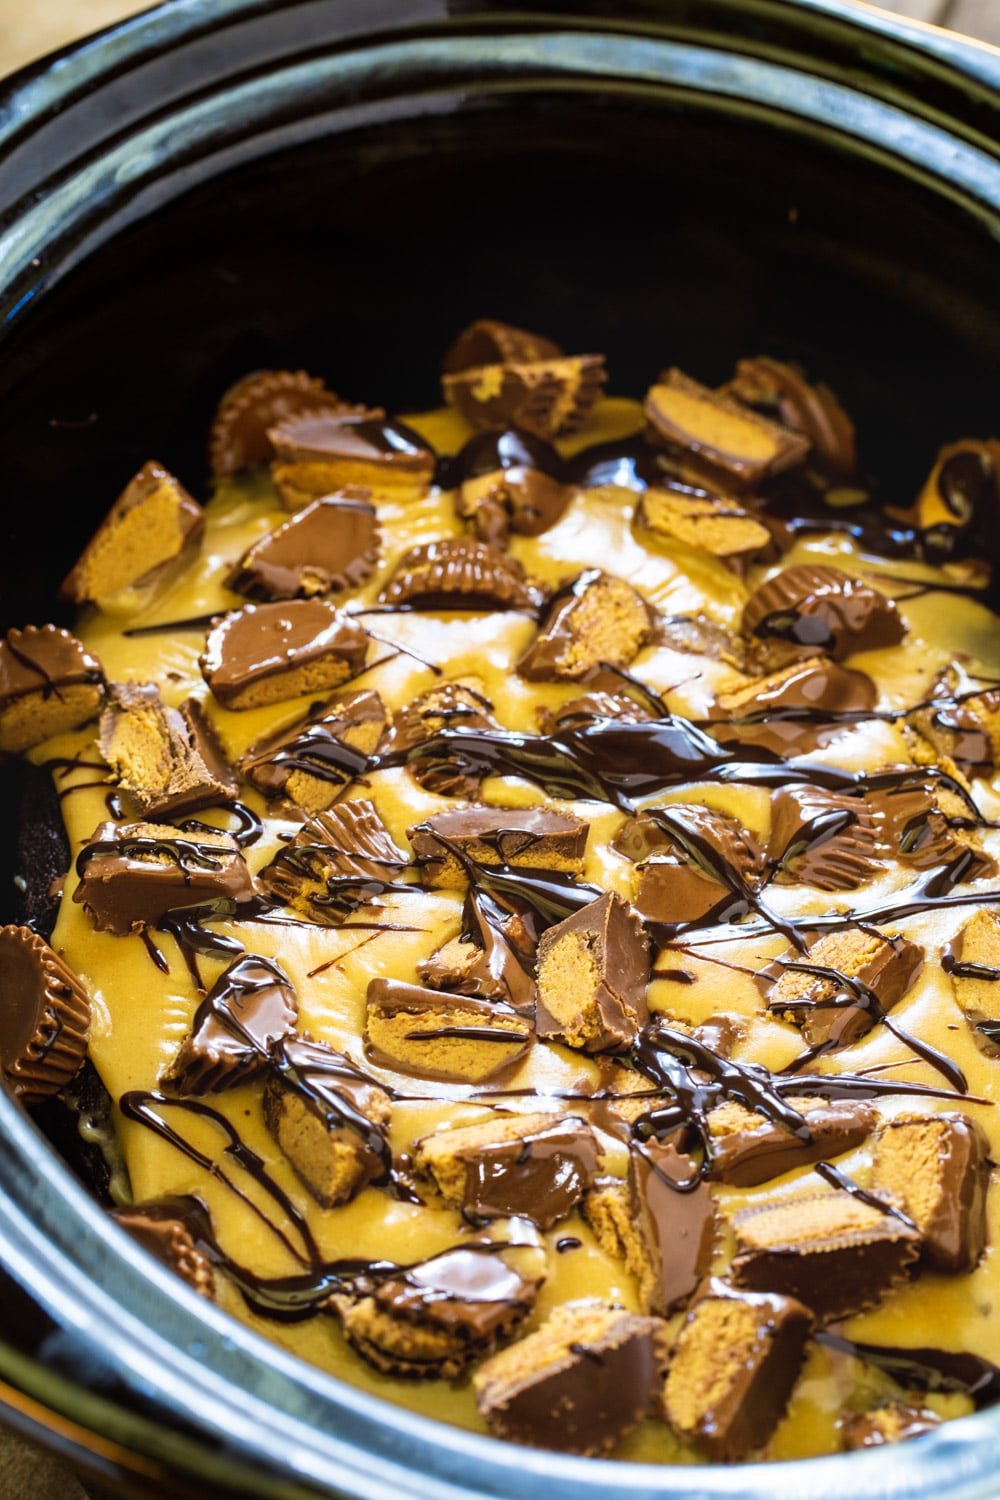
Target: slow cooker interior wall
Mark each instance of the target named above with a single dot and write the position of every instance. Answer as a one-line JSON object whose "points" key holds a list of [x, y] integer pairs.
{"points": [[657, 235]]}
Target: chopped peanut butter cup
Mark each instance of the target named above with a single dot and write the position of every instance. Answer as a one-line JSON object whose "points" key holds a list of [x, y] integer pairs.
{"points": [[530, 838], [590, 707], [518, 498], [487, 342], [319, 454], [177, 1231], [716, 524], [580, 1383], [311, 761], [892, 1423], [339, 860], [432, 1319], [48, 683], [251, 1006], [937, 1169], [596, 620], [821, 695], [821, 838], [973, 961], [44, 1016], [837, 991], [437, 1035], [239, 439], [831, 1251], [732, 1369], [330, 545], [551, 397], [781, 392], [593, 969], [167, 759], [823, 609], [912, 827], [133, 874], [153, 525], [459, 573], [720, 432], [695, 861], [449, 705], [533, 1166], [266, 653], [329, 1118], [747, 1149]]}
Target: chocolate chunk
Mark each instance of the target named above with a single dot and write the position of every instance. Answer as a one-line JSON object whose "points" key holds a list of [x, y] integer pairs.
{"points": [[973, 961], [732, 1370], [716, 524], [551, 397], [133, 874], [459, 573], [957, 733], [588, 708], [329, 1118], [829, 694], [319, 454], [251, 1006], [937, 1169], [432, 1319], [435, 1035], [487, 342], [832, 1251], [178, 1232], [533, 1166], [698, 858], [781, 392], [823, 609], [517, 498], [311, 761], [595, 620], [697, 635], [152, 525], [959, 497], [891, 1423], [167, 759], [840, 989], [331, 545], [580, 1383], [662, 1223], [49, 683], [450, 705], [821, 838], [593, 969], [911, 827], [265, 653], [44, 1017], [718, 431], [239, 439], [529, 838], [747, 1149], [341, 859]]}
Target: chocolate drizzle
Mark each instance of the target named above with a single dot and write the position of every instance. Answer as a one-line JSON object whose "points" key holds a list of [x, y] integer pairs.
{"points": [[927, 1369]]}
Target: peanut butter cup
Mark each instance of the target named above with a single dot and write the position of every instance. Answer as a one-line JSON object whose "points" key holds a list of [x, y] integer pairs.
{"points": [[716, 524], [459, 573], [339, 860], [265, 653], [719, 432], [44, 1016], [532, 838], [239, 439], [311, 761], [448, 705], [48, 683], [551, 397], [937, 1168], [251, 1006], [823, 609], [593, 969], [329, 546], [317, 454], [432, 1034], [153, 526], [843, 985], [177, 1232], [596, 620], [168, 760], [781, 392]]}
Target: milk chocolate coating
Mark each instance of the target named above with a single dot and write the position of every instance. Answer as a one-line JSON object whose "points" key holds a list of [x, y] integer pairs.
{"points": [[938, 1169], [491, 1036], [781, 391], [512, 498], [859, 975], [825, 610], [487, 342], [239, 439], [44, 1016], [464, 1291], [821, 838], [537, 837], [763, 1149], [550, 397], [727, 1398], [590, 707], [347, 841], [694, 849], [251, 1006], [176, 1231], [574, 640], [328, 546], [42, 663], [602, 946], [829, 1251], [585, 1397], [356, 434], [133, 874], [450, 705], [459, 572], [911, 827], [485, 961], [697, 635], [331, 744], [891, 1423], [820, 686], [718, 431], [263, 643], [168, 760], [676, 1216]]}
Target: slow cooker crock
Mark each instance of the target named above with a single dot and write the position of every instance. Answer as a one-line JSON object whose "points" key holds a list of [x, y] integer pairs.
{"points": [[339, 184]]}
